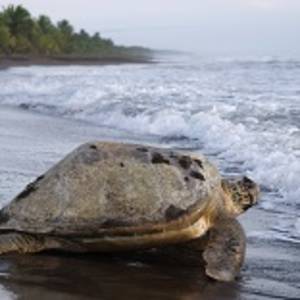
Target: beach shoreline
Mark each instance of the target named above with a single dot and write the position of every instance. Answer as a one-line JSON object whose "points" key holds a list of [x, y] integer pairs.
{"points": [[25, 61]]}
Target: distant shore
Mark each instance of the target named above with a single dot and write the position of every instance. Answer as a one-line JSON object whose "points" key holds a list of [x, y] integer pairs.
{"points": [[23, 61]]}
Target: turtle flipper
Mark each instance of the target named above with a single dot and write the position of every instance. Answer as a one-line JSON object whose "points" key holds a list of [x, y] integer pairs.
{"points": [[225, 249], [20, 243]]}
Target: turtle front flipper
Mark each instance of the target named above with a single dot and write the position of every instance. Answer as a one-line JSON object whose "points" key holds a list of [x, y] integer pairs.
{"points": [[225, 250]]}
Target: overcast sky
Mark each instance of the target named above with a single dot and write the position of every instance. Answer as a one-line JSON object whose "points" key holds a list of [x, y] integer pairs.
{"points": [[218, 27]]}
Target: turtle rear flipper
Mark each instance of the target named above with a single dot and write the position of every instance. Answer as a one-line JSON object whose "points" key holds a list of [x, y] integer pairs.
{"points": [[225, 250], [19, 242]]}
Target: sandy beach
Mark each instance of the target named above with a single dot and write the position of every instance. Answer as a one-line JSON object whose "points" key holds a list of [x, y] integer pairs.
{"points": [[29, 144]]}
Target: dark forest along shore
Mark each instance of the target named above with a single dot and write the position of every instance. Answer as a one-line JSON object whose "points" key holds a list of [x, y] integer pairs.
{"points": [[28, 40]]}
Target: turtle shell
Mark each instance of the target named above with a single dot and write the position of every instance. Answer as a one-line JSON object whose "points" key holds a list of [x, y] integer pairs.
{"points": [[106, 188]]}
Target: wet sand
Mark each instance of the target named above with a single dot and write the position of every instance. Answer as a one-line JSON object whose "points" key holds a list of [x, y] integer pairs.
{"points": [[29, 144]]}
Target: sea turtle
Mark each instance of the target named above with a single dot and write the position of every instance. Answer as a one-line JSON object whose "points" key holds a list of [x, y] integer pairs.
{"points": [[108, 196]]}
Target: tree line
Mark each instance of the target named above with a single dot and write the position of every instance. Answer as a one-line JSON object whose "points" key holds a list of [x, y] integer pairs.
{"points": [[22, 34]]}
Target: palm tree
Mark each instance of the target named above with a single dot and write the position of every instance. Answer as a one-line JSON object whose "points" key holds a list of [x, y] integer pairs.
{"points": [[45, 24], [65, 28], [4, 39], [66, 33], [18, 20]]}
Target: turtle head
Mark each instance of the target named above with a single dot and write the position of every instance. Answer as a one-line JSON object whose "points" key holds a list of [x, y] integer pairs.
{"points": [[241, 193]]}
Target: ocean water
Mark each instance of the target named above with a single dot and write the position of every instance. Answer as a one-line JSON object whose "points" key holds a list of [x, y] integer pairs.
{"points": [[242, 113]]}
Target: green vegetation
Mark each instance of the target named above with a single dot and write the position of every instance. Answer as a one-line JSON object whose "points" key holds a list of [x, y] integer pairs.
{"points": [[21, 34]]}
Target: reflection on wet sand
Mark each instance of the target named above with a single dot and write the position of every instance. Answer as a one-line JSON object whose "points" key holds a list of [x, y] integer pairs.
{"points": [[51, 276]]}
